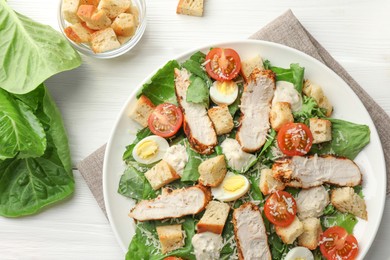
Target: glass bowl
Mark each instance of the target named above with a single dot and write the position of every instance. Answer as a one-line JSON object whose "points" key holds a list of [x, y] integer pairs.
{"points": [[125, 47]]}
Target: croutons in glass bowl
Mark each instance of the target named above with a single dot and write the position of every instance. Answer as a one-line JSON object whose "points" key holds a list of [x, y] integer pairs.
{"points": [[102, 28]]}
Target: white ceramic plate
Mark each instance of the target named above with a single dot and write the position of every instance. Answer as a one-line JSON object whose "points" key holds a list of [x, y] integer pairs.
{"points": [[347, 106]]}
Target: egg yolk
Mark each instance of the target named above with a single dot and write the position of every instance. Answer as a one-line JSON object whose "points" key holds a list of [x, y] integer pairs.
{"points": [[233, 183], [226, 87], [147, 149]]}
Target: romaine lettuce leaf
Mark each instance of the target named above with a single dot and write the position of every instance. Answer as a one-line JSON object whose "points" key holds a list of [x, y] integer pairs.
{"points": [[29, 184], [30, 52], [161, 88], [21, 132]]}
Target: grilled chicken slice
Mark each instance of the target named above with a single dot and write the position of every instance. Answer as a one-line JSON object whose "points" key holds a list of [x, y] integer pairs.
{"points": [[311, 171], [255, 108], [250, 233], [196, 124], [173, 204]]}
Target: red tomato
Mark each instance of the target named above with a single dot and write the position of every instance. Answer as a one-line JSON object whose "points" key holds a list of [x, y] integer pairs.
{"points": [[295, 139], [280, 208], [336, 243], [173, 258], [165, 120], [223, 65]]}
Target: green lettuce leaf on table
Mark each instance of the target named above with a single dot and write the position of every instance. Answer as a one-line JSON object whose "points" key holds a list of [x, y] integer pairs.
{"points": [[30, 52], [28, 184], [22, 134], [35, 162]]}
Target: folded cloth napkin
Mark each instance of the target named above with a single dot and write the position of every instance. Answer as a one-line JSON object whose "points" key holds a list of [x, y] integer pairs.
{"points": [[286, 30]]}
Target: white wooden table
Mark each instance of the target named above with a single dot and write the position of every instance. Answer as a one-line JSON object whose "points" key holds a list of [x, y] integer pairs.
{"points": [[356, 33]]}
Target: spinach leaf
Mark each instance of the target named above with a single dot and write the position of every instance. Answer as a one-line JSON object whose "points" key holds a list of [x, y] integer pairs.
{"points": [[191, 172], [29, 184], [294, 75], [278, 248], [161, 88], [198, 92], [198, 57], [348, 139], [196, 68], [133, 184], [21, 132], [141, 134], [30, 52]]}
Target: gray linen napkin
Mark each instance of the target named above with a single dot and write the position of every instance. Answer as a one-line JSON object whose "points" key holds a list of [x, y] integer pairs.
{"points": [[286, 30]]}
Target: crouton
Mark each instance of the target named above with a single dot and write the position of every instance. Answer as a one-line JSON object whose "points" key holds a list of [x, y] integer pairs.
{"points": [[280, 114], [214, 218], [79, 33], [142, 110], [69, 9], [124, 25], [321, 130], [99, 20], [89, 2], [171, 237], [222, 119], [311, 233], [212, 171], [268, 184], [114, 7], [85, 12], [190, 7], [247, 66], [161, 174], [316, 92], [290, 233], [135, 12], [123, 39], [104, 40], [346, 200]]}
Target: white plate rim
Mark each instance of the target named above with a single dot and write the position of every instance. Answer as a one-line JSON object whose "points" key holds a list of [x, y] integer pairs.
{"points": [[374, 134]]}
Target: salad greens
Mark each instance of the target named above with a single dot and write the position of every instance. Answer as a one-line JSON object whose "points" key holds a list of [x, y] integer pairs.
{"points": [[348, 140], [145, 244], [28, 183], [30, 52], [161, 87], [35, 163]]}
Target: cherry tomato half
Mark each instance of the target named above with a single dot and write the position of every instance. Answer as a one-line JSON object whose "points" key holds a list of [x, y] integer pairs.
{"points": [[280, 208], [336, 243], [173, 258], [224, 64], [295, 139], [165, 120]]}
